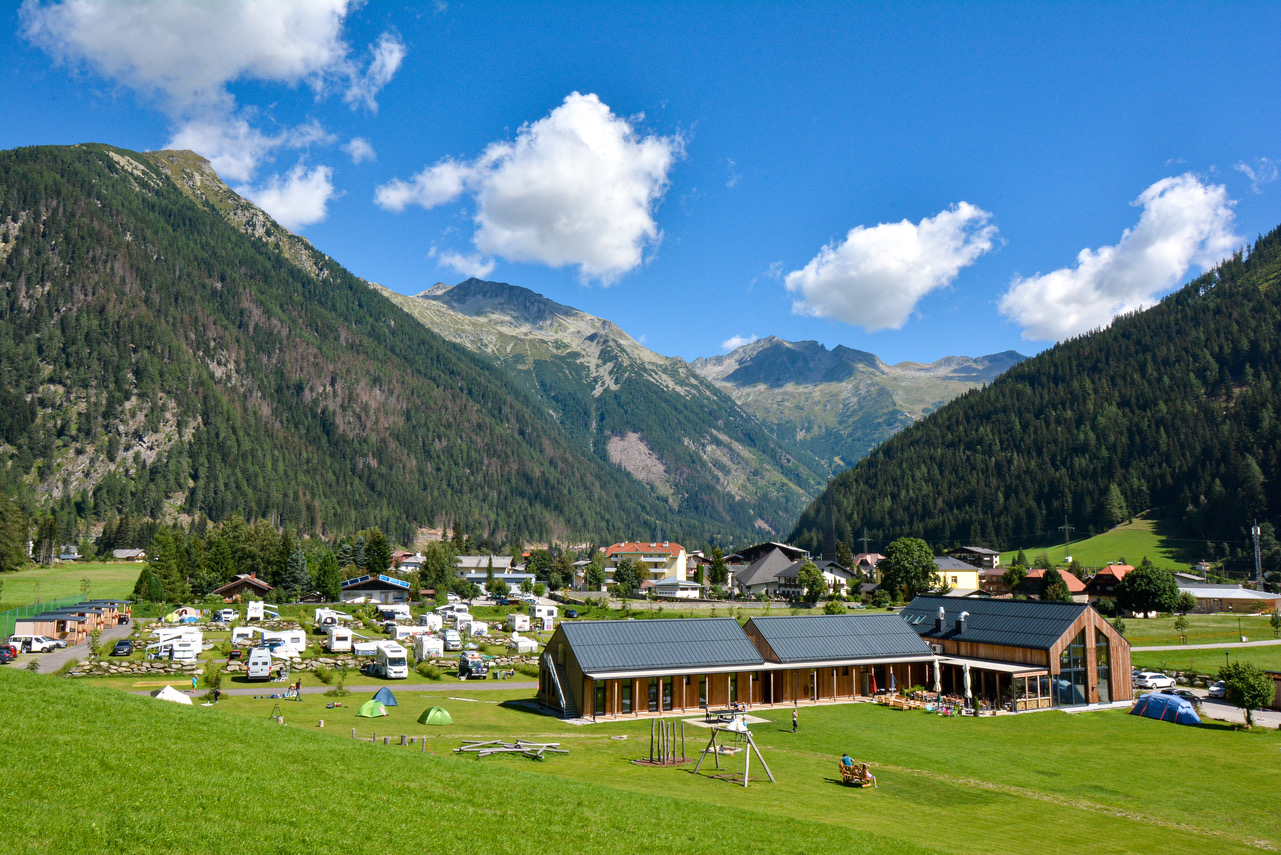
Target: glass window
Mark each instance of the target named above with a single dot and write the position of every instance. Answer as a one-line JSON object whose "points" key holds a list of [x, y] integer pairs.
{"points": [[1070, 687], [733, 688], [653, 694], [667, 693], [702, 691], [1101, 655], [626, 690], [600, 698]]}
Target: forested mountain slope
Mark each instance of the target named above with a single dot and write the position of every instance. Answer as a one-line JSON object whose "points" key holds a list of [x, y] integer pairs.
{"points": [[166, 349], [649, 414], [841, 403], [1173, 408]]}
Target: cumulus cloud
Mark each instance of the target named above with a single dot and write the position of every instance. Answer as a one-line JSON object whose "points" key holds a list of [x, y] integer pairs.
{"points": [[360, 150], [297, 200], [876, 276], [185, 53], [1260, 171], [736, 341], [578, 187], [467, 265], [1184, 222]]}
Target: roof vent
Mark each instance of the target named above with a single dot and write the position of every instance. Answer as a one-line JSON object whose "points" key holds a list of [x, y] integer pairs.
{"points": [[938, 622], [960, 623]]}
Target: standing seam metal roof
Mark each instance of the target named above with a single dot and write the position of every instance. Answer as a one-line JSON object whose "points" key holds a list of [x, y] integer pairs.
{"points": [[1013, 623], [811, 638], [622, 645]]}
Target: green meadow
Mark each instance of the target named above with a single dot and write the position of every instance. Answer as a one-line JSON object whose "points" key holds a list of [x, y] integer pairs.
{"points": [[157, 777], [1207, 660], [1132, 541], [107, 579]]}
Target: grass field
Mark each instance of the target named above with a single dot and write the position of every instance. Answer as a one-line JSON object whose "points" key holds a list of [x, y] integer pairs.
{"points": [[1132, 541], [1202, 629], [1207, 660], [106, 580], [187, 779]]}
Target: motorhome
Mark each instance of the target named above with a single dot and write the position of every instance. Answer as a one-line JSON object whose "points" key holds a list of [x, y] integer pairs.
{"points": [[325, 618], [432, 621], [259, 664], [167, 634], [391, 661], [518, 622], [428, 647], [472, 664], [177, 650], [337, 639], [453, 641], [257, 610], [394, 611]]}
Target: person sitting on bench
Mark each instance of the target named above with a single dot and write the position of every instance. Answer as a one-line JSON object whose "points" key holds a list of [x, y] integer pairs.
{"points": [[865, 775]]}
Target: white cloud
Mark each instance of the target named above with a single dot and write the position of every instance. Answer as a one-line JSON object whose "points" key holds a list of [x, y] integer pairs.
{"points": [[736, 341], [1260, 171], [299, 199], [575, 188], [734, 177], [387, 56], [1184, 222], [876, 276], [468, 265], [360, 150], [185, 53]]}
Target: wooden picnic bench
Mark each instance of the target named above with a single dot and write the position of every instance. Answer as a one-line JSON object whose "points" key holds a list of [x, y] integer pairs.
{"points": [[849, 775]]}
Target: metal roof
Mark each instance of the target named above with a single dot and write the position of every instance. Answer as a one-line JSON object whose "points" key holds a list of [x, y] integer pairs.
{"points": [[1013, 623], [373, 581], [764, 569], [947, 562], [1225, 592], [637, 645], [809, 638]]}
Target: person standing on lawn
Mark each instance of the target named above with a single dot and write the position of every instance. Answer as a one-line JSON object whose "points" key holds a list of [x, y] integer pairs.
{"points": [[794, 720]]}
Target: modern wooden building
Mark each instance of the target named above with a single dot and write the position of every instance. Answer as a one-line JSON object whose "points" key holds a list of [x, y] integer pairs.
{"points": [[653, 667], [1031, 655]]}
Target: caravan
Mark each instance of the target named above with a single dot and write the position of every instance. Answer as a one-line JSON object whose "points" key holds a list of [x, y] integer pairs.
{"points": [[431, 621], [428, 647], [177, 650], [259, 664], [337, 639], [325, 618], [257, 610], [401, 632]]}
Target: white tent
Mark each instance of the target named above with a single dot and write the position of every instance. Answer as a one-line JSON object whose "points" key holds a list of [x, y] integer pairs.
{"points": [[169, 693]]}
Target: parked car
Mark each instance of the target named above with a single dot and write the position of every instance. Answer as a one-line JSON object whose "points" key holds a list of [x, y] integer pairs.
{"points": [[8, 653], [1218, 689], [1153, 680], [571, 612], [1186, 694], [51, 643], [502, 601], [123, 647]]}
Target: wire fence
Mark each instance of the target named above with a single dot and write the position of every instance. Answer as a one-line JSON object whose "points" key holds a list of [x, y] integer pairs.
{"points": [[11, 617]]}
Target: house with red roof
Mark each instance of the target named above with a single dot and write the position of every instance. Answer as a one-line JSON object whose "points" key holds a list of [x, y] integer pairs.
{"points": [[1035, 581], [1102, 586], [654, 560]]}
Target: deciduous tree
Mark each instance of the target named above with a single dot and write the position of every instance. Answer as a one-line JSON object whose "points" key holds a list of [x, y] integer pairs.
{"points": [[908, 567], [1247, 687]]}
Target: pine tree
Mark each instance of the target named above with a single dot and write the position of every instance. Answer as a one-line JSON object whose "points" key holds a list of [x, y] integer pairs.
{"points": [[359, 554], [377, 552], [1054, 589], [844, 556], [162, 558], [297, 577], [718, 573], [328, 577]]}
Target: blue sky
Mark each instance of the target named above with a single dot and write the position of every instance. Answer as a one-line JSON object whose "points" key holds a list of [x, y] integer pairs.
{"points": [[916, 182]]}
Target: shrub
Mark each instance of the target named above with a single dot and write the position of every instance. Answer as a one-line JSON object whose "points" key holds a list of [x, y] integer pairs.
{"points": [[428, 670], [33, 666], [834, 607], [526, 669], [324, 674]]}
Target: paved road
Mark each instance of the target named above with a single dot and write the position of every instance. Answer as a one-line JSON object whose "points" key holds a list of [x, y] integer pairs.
{"points": [[1212, 645], [1214, 708], [459, 686], [50, 662]]}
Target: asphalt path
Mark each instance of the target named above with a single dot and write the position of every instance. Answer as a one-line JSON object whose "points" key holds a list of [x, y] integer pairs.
{"points": [[461, 686], [52, 661]]}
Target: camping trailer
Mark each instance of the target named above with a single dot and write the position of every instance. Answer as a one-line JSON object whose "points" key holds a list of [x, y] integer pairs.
{"points": [[517, 622], [325, 618], [170, 633], [337, 639], [541, 612], [428, 647], [259, 664], [178, 650], [286, 643], [432, 621], [392, 661], [480, 628], [402, 632]]}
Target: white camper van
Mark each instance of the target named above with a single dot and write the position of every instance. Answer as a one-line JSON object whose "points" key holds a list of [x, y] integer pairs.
{"points": [[453, 641], [428, 647], [392, 661], [337, 639], [259, 664]]}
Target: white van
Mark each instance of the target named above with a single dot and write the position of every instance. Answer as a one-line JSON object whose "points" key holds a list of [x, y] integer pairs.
{"points": [[453, 641], [391, 661], [32, 643], [259, 664], [337, 639]]}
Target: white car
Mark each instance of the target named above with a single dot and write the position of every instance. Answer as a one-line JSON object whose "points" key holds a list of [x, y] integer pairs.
{"points": [[1153, 680], [1218, 689]]}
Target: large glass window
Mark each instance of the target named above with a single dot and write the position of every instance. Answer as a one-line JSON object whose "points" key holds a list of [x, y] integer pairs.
{"points": [[1070, 687], [1102, 660], [702, 691], [733, 688], [667, 693], [600, 698], [625, 690], [653, 694]]}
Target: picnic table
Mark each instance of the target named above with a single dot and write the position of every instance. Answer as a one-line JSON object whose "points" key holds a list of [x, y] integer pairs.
{"points": [[723, 715]]}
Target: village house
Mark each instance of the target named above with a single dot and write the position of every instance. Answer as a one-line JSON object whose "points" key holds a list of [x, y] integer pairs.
{"points": [[978, 556], [653, 561], [1102, 585], [1231, 598], [956, 575], [374, 589], [244, 587], [1035, 583], [129, 554]]}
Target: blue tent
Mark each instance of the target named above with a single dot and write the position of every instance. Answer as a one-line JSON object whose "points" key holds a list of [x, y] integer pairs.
{"points": [[1166, 708], [385, 697]]}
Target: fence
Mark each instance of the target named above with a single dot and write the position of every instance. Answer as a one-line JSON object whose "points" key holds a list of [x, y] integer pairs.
{"points": [[12, 616]]}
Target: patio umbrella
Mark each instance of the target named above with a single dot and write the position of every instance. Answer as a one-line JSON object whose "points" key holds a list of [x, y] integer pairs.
{"points": [[938, 678], [967, 681], [893, 681], [874, 690]]}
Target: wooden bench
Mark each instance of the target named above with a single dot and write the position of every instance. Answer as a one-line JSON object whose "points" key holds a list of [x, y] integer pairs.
{"points": [[849, 775]]}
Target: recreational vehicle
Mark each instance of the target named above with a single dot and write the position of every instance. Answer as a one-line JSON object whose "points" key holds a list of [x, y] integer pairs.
{"points": [[337, 639], [325, 618], [165, 635], [472, 664], [428, 647], [518, 622], [225, 615], [394, 611], [401, 632], [257, 610], [178, 650], [392, 661], [432, 621], [259, 664], [453, 641]]}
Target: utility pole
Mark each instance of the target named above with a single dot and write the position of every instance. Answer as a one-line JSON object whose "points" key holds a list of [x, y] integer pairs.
{"points": [[1067, 535], [1258, 561], [865, 540]]}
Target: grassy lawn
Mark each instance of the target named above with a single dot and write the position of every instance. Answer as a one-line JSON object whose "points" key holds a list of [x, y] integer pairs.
{"points": [[1202, 629], [1132, 541], [953, 785], [108, 579], [1208, 660]]}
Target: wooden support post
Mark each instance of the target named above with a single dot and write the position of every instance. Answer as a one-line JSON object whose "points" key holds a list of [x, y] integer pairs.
{"points": [[682, 742], [403, 739], [386, 740], [652, 723]]}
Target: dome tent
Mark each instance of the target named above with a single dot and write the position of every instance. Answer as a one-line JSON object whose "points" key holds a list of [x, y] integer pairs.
{"points": [[436, 716], [371, 709], [385, 697]]}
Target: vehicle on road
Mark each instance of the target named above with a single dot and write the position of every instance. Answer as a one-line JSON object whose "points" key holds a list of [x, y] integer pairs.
{"points": [[1153, 680], [8, 653], [123, 647], [32, 643], [1186, 694], [1218, 689]]}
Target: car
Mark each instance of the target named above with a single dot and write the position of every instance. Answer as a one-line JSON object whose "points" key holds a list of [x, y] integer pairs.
{"points": [[1153, 680], [571, 612], [51, 643], [502, 601], [1186, 694], [8, 653], [123, 647], [1218, 689]]}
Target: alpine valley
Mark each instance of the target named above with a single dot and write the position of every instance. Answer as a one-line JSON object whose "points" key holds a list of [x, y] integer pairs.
{"points": [[167, 350]]}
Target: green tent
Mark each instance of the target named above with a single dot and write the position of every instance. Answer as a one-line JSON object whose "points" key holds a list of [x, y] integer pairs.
{"points": [[371, 709], [435, 715]]}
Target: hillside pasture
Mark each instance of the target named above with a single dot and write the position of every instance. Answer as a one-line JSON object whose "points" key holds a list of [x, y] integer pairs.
{"points": [[1138, 539], [107, 580]]}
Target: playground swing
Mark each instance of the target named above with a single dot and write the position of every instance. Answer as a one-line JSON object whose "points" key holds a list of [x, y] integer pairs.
{"points": [[734, 737]]}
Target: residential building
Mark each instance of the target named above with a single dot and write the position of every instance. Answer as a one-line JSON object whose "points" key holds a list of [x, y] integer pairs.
{"points": [[762, 575], [978, 556], [653, 561], [1035, 583], [955, 574], [374, 589], [750, 554], [244, 587], [129, 554], [1231, 598], [1102, 585]]}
